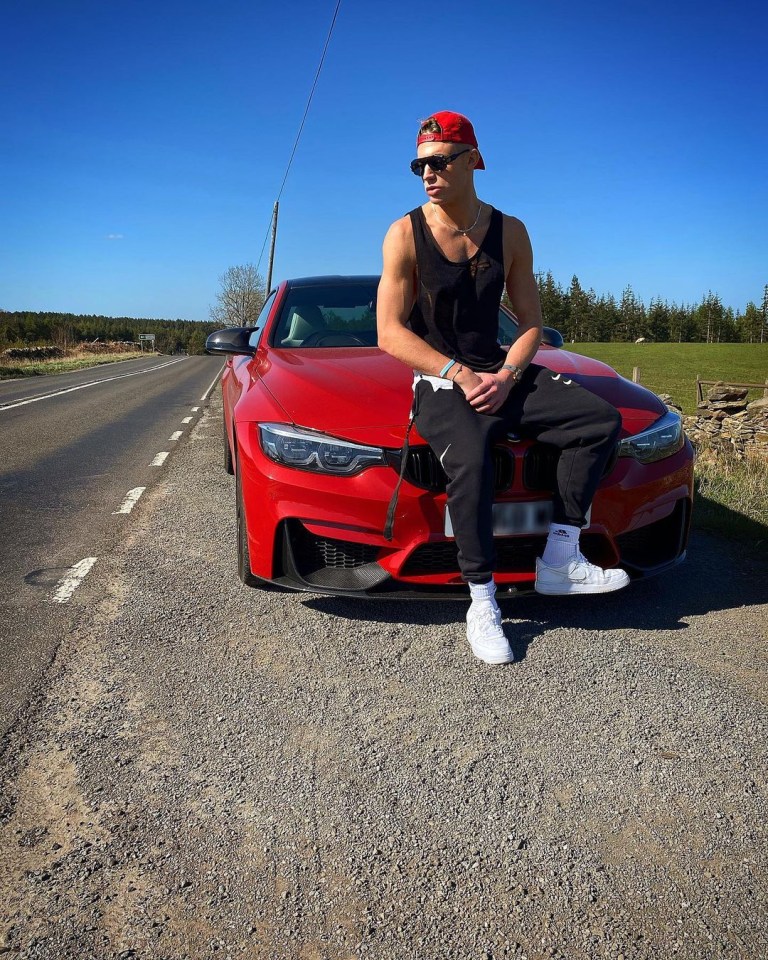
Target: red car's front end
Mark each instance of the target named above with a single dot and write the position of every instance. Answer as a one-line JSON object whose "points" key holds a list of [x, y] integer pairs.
{"points": [[316, 434]]}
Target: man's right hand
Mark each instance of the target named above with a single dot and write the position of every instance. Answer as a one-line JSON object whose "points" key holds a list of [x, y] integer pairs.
{"points": [[467, 380], [486, 392]]}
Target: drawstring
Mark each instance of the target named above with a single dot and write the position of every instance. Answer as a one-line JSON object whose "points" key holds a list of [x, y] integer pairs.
{"points": [[390, 522]]}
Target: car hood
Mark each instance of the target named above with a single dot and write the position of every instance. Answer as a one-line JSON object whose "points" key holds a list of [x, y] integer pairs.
{"points": [[364, 395]]}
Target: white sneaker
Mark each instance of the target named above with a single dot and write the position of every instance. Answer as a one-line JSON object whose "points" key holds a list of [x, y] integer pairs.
{"points": [[485, 634], [577, 576]]}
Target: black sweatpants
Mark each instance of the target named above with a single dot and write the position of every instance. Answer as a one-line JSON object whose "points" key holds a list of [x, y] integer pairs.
{"points": [[544, 406]]}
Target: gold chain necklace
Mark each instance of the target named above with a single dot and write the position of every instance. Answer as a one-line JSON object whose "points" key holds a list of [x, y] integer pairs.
{"points": [[456, 229]]}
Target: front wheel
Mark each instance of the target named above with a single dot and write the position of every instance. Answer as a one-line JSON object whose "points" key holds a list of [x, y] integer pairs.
{"points": [[243, 557]]}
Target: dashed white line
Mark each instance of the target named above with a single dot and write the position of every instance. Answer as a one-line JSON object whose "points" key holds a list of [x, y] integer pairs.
{"points": [[82, 386], [130, 501], [159, 459], [187, 420], [195, 409], [70, 583], [176, 434]]}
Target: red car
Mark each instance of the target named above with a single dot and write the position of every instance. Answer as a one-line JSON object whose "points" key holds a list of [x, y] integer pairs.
{"points": [[315, 416]]}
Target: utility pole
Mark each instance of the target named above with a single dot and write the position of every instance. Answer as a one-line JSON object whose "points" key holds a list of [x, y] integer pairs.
{"points": [[272, 248]]}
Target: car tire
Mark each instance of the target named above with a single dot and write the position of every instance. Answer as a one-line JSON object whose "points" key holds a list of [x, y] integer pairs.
{"points": [[243, 557], [229, 465]]}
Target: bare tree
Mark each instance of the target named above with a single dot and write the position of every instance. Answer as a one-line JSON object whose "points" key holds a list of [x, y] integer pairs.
{"points": [[240, 298], [63, 335]]}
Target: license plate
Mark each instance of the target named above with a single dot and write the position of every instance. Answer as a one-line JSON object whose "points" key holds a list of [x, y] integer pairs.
{"points": [[527, 518]]}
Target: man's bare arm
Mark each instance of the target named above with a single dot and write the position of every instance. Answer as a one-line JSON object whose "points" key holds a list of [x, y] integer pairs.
{"points": [[524, 293]]}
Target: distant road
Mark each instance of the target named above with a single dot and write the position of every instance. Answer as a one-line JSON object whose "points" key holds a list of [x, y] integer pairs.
{"points": [[77, 452]]}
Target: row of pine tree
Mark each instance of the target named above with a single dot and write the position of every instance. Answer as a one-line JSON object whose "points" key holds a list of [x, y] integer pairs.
{"points": [[67, 330], [580, 315]]}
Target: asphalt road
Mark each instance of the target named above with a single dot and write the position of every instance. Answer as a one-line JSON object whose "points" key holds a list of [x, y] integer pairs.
{"points": [[212, 771], [73, 447]]}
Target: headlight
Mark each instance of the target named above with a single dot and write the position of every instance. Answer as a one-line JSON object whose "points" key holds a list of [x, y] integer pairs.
{"points": [[661, 440], [314, 451]]}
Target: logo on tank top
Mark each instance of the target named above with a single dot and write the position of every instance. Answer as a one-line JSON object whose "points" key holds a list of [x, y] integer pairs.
{"points": [[478, 265]]}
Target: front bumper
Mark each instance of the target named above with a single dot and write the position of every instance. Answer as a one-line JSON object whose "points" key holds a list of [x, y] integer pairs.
{"points": [[323, 534]]}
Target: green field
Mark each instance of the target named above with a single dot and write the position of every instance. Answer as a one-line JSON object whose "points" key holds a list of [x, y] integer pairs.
{"points": [[672, 367]]}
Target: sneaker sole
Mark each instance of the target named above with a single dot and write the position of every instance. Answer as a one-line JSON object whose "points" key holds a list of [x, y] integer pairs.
{"points": [[572, 589], [494, 659]]}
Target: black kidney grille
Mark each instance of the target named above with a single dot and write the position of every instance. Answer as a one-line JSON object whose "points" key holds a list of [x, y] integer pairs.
{"points": [[540, 467], [423, 469]]}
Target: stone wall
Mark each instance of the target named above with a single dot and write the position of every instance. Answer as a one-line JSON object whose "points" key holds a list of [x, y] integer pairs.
{"points": [[33, 353], [726, 421]]}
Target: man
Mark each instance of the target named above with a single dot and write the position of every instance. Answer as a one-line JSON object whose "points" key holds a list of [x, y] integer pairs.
{"points": [[446, 265]]}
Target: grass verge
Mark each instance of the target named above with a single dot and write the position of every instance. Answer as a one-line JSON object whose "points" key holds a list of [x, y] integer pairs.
{"points": [[731, 497], [39, 368]]}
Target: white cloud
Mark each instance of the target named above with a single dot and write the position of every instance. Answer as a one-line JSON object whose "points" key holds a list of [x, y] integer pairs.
{"points": [[114, 236]]}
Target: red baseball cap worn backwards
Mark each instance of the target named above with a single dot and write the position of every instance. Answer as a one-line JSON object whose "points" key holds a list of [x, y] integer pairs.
{"points": [[454, 128]]}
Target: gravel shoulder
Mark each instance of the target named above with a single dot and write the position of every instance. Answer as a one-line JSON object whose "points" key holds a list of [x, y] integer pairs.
{"points": [[214, 771]]}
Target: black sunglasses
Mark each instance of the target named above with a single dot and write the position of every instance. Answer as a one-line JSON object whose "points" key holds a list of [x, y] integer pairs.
{"points": [[437, 162]]}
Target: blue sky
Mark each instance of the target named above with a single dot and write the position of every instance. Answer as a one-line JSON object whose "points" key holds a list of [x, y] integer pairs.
{"points": [[143, 143]]}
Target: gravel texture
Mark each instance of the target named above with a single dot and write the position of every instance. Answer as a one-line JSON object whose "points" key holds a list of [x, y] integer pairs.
{"points": [[214, 771]]}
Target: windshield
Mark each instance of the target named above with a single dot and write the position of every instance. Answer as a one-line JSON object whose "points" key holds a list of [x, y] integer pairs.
{"points": [[341, 315]]}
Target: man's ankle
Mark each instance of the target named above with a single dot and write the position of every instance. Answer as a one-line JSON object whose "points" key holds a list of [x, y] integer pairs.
{"points": [[483, 592], [562, 544]]}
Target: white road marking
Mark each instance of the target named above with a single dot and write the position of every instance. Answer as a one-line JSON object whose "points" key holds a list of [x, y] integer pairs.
{"points": [[159, 459], [82, 386], [130, 501], [176, 434], [187, 420], [70, 583], [195, 409], [205, 395]]}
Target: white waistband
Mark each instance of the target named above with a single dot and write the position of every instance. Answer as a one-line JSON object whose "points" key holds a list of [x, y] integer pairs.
{"points": [[438, 383]]}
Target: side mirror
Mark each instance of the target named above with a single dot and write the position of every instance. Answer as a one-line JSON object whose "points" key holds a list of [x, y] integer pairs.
{"points": [[231, 340], [550, 336]]}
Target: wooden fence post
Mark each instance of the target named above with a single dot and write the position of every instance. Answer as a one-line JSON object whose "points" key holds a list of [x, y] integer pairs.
{"points": [[635, 374]]}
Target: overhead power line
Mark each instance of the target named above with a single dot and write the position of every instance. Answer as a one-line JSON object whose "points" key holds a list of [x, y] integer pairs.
{"points": [[303, 121]]}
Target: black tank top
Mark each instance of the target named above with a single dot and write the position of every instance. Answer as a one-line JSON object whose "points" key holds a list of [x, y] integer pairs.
{"points": [[457, 303]]}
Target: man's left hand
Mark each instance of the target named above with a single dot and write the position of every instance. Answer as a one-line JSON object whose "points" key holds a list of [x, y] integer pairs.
{"points": [[491, 393]]}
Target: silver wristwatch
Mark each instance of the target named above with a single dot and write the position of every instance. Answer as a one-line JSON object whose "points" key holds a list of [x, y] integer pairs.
{"points": [[516, 371]]}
